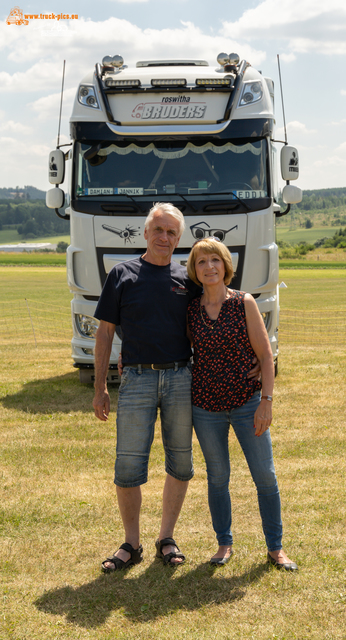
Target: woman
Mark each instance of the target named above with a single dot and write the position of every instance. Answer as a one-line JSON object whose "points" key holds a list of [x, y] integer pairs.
{"points": [[227, 331]]}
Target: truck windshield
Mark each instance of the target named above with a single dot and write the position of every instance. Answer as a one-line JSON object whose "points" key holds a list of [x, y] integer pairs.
{"points": [[216, 168]]}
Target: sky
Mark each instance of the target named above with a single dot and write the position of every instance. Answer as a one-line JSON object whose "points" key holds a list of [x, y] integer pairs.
{"points": [[309, 36]]}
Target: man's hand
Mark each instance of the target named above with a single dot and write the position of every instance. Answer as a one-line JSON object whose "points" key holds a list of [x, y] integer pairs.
{"points": [[103, 348], [101, 404], [256, 371]]}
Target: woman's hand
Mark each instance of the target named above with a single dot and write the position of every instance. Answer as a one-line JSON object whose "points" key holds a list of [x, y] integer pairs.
{"points": [[263, 417]]}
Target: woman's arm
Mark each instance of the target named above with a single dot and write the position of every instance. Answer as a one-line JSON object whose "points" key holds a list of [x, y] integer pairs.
{"points": [[260, 343]]}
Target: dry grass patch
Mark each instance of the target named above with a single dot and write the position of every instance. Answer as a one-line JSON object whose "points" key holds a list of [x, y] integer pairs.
{"points": [[59, 518]]}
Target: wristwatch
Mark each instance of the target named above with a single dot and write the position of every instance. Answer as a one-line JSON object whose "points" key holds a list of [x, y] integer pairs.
{"points": [[270, 398]]}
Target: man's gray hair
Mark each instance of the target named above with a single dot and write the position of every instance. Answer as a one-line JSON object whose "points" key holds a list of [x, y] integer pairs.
{"points": [[169, 209]]}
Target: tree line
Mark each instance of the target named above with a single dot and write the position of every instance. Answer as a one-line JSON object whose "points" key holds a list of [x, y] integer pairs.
{"points": [[31, 218], [323, 199]]}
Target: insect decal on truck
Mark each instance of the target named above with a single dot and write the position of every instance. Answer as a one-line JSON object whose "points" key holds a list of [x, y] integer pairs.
{"points": [[127, 234]]}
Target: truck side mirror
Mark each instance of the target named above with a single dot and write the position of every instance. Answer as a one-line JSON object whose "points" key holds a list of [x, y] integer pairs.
{"points": [[55, 198], [56, 171], [289, 161], [291, 194]]}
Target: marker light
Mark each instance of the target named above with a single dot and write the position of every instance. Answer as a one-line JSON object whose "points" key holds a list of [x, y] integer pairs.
{"points": [[168, 82], [252, 92], [214, 82], [87, 97], [111, 82]]}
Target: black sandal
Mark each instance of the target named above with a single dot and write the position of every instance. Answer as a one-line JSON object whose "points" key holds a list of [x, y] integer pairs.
{"points": [[136, 558], [173, 554]]}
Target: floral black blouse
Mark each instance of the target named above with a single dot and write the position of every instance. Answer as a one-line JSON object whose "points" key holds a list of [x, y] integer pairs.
{"points": [[222, 356]]}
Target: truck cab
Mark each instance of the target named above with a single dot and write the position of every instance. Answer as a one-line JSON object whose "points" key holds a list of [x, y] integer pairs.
{"points": [[180, 131]]}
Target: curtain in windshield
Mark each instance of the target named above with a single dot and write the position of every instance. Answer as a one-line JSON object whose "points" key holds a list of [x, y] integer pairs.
{"points": [[168, 168]]}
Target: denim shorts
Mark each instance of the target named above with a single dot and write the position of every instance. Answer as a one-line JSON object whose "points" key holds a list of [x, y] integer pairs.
{"points": [[141, 393]]}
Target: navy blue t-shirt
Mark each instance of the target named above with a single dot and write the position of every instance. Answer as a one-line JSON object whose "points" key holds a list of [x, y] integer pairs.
{"points": [[150, 303]]}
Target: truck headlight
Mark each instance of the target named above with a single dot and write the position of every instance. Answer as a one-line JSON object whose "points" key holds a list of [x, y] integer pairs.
{"points": [[266, 315], [252, 92], [87, 97], [86, 325]]}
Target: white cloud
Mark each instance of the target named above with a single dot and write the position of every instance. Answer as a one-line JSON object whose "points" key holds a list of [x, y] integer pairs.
{"points": [[343, 92], [296, 128], [49, 106], [86, 42], [16, 127], [313, 27], [288, 57], [341, 148]]}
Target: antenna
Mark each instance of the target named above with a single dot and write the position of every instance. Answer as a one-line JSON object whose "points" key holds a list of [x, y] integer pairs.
{"points": [[62, 93], [282, 99]]}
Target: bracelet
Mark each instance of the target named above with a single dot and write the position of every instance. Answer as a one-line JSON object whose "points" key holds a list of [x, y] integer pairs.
{"points": [[269, 398]]}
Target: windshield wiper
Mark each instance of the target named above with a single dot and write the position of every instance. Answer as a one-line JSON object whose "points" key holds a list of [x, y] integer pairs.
{"points": [[187, 202], [228, 193], [133, 200]]}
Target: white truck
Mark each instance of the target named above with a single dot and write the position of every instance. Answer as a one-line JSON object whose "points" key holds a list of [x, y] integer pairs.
{"points": [[180, 131]]}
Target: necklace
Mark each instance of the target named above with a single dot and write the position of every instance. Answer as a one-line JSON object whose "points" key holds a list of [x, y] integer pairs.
{"points": [[211, 326]]}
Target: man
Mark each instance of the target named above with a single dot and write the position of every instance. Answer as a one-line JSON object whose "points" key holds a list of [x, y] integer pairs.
{"points": [[148, 297]]}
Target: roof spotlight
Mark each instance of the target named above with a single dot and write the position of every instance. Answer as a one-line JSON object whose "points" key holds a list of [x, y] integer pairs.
{"points": [[113, 61], [223, 58]]}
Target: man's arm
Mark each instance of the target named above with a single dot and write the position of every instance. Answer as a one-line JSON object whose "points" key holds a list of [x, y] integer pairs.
{"points": [[103, 347]]}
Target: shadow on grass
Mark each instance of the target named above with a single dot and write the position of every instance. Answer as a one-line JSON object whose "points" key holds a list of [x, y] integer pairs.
{"points": [[57, 394], [157, 592]]}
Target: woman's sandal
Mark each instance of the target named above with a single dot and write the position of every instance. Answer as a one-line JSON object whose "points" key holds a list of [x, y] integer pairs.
{"points": [[168, 556], [136, 558]]}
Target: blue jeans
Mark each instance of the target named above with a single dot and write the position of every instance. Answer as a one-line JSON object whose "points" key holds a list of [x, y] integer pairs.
{"points": [[212, 429], [141, 392]]}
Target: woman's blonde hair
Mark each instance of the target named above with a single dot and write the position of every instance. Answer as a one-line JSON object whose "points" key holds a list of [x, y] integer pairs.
{"points": [[210, 245]]}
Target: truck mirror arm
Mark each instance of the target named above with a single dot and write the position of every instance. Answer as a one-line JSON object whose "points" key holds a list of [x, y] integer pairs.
{"points": [[279, 214], [65, 217]]}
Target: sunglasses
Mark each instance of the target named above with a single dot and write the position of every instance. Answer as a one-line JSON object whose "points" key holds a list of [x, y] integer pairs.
{"points": [[217, 234]]}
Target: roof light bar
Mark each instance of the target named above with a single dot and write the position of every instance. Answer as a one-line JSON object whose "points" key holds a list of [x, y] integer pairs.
{"points": [[168, 82], [214, 82], [111, 82]]}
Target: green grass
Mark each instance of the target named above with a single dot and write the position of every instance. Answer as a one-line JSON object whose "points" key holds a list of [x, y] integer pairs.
{"points": [[313, 289], [47, 285], [32, 258], [309, 264], [295, 236], [11, 236], [59, 520]]}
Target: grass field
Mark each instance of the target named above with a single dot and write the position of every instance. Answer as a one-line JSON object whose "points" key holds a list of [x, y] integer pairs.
{"points": [[59, 519], [32, 258], [294, 236], [11, 236]]}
